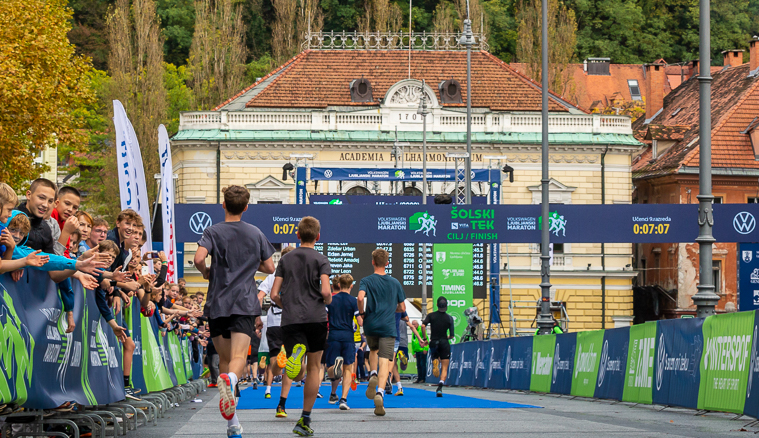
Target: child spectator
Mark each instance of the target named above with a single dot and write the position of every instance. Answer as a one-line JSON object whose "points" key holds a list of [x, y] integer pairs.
{"points": [[85, 229], [302, 289]]}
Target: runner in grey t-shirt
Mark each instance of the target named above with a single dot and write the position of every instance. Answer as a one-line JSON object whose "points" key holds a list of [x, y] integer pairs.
{"points": [[237, 251]]}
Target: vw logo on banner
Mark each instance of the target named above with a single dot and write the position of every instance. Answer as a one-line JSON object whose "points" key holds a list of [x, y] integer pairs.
{"points": [[328, 173], [744, 222], [199, 222]]}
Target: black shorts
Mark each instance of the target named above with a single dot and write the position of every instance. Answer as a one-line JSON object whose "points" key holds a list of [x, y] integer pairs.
{"points": [[312, 334], [225, 325], [274, 338], [440, 349]]}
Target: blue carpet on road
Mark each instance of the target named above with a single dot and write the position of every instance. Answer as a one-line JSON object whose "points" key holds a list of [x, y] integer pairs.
{"points": [[412, 398]]}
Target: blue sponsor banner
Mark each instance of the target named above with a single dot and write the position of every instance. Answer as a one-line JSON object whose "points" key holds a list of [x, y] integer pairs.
{"points": [[518, 363], [610, 382], [563, 363], [300, 185], [390, 174], [679, 347], [138, 378], [751, 407], [462, 365], [613, 223], [379, 200], [748, 276], [496, 378], [481, 364]]}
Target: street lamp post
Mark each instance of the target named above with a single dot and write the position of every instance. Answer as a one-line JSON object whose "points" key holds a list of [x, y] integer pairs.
{"points": [[467, 39], [545, 319], [705, 299], [423, 111]]}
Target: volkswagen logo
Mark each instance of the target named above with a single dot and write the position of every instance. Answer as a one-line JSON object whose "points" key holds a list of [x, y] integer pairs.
{"points": [[556, 353], [744, 222], [328, 173], [199, 222], [508, 364]]}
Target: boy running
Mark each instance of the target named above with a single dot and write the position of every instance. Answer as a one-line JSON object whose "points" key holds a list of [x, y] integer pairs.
{"points": [[302, 277], [380, 296], [441, 330], [238, 250], [341, 352]]}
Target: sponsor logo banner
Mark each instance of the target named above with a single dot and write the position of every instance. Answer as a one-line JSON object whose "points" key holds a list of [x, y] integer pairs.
{"points": [[752, 385], [640, 363], [587, 357], [543, 352], [518, 363], [725, 362], [452, 279], [611, 365], [679, 346], [563, 363], [748, 276]]}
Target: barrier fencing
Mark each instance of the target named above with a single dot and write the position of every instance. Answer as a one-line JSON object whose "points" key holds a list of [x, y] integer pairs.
{"points": [[706, 364], [42, 366]]}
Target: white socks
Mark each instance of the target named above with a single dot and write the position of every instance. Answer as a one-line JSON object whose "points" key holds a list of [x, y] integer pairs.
{"points": [[399, 385], [232, 380], [268, 390], [234, 421]]}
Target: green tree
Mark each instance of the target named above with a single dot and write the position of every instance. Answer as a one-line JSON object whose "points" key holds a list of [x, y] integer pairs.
{"points": [[42, 80], [177, 23], [88, 32]]}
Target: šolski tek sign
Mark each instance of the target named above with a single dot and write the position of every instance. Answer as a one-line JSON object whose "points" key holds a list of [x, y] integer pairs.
{"points": [[640, 223]]}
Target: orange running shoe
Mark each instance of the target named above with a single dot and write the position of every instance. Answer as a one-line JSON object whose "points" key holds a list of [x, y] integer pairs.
{"points": [[282, 359], [354, 384]]}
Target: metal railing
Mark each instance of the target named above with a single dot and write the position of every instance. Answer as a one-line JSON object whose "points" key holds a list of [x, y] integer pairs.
{"points": [[389, 41]]}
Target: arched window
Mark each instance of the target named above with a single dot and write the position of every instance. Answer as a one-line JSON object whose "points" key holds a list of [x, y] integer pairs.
{"points": [[358, 190], [412, 191]]}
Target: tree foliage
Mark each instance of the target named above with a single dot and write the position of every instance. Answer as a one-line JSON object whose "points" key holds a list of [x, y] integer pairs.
{"points": [[41, 79]]}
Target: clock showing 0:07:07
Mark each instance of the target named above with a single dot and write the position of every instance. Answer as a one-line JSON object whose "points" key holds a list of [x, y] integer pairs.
{"points": [[285, 228], [650, 228]]}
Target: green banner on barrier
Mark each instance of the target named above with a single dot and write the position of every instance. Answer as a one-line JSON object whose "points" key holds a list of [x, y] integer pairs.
{"points": [[154, 371], [724, 364], [176, 357], [542, 362], [15, 354], [586, 363], [640, 364], [452, 278], [186, 347]]}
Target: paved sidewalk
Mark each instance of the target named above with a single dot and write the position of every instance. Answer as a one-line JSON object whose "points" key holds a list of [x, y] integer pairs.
{"points": [[560, 417]]}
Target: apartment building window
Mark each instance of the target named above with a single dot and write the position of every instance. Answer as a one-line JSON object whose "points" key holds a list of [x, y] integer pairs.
{"points": [[717, 276], [634, 89]]}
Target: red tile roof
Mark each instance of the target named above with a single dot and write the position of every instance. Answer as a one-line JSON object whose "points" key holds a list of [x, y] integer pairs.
{"points": [[735, 103], [321, 78]]}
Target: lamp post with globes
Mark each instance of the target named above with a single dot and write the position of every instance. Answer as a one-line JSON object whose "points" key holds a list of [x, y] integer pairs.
{"points": [[423, 110]]}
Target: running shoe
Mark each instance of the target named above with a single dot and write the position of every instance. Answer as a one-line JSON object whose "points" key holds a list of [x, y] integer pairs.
{"points": [[303, 429], [379, 404], [388, 387], [212, 385], [294, 362], [234, 432], [371, 388], [403, 359], [255, 385], [339, 367], [436, 368], [439, 391], [267, 395], [333, 399], [319, 395], [400, 392], [344, 405], [131, 394], [354, 383], [281, 412], [282, 358], [298, 384], [262, 362], [227, 400]]}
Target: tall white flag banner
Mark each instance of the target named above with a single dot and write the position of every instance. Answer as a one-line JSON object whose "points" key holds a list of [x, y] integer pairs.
{"points": [[133, 190], [167, 203]]}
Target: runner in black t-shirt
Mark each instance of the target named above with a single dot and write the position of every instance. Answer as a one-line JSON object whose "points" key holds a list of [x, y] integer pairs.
{"points": [[441, 330]]}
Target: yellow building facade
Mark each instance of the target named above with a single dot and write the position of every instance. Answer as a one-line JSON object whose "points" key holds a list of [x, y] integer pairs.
{"points": [[249, 139]]}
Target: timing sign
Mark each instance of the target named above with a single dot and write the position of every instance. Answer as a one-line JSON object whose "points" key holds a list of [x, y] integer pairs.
{"points": [[391, 174], [639, 223]]}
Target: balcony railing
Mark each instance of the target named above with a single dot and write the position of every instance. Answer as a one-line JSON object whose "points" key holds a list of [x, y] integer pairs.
{"points": [[388, 120]]}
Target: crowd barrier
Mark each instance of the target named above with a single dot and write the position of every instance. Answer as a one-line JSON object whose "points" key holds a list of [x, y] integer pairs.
{"points": [[42, 366], [707, 364]]}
